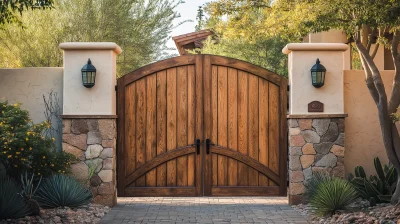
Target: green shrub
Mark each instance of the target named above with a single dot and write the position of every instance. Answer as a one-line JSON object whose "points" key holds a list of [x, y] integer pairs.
{"points": [[12, 205], [60, 190], [377, 188], [331, 195], [313, 184], [28, 191], [23, 148]]}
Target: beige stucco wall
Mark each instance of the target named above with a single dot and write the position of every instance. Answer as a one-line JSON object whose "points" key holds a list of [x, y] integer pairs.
{"points": [[100, 99], [302, 57], [28, 85], [363, 135]]}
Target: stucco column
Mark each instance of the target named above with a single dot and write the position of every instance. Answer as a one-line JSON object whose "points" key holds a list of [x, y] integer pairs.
{"points": [[89, 117], [316, 139]]}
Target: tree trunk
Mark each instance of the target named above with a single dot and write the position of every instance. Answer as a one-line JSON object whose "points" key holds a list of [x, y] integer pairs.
{"points": [[390, 135]]}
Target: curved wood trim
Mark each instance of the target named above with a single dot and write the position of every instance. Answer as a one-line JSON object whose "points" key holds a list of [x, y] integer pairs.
{"points": [[247, 67], [246, 160], [165, 157], [159, 66]]}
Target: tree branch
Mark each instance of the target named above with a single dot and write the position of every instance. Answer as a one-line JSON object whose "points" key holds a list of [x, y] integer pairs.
{"points": [[369, 81], [375, 50], [395, 96], [374, 70]]}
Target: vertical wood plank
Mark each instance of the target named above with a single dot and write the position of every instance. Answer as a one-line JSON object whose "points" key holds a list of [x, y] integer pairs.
{"points": [[242, 126], [161, 125], [191, 123], [274, 129], [263, 129], [232, 124], [141, 128], [171, 124], [207, 77], [182, 123], [283, 152], [253, 127], [130, 148], [214, 124], [200, 133], [151, 126], [222, 123]]}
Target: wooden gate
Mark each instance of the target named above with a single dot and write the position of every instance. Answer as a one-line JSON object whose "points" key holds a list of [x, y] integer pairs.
{"points": [[201, 125]]}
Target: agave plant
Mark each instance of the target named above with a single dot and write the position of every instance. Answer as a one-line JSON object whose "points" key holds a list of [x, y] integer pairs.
{"points": [[28, 192], [331, 195], [12, 205], [378, 188], [313, 184], [62, 191]]}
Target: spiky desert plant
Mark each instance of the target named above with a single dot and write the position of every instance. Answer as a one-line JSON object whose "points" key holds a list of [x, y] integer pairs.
{"points": [[332, 195], [62, 191], [313, 184], [28, 192], [12, 205]]}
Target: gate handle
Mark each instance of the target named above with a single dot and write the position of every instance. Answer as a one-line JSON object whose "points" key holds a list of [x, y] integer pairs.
{"points": [[208, 144], [198, 146]]}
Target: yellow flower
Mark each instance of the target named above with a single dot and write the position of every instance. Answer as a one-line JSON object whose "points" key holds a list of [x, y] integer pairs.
{"points": [[30, 148], [38, 173], [44, 157], [9, 156], [22, 149], [18, 153], [51, 164], [53, 139], [27, 139]]}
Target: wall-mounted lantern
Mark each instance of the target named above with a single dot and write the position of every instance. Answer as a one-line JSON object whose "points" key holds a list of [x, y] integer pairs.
{"points": [[88, 75], [318, 74]]}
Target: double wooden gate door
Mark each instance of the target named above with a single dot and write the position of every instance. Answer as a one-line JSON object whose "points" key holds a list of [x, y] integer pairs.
{"points": [[201, 125]]}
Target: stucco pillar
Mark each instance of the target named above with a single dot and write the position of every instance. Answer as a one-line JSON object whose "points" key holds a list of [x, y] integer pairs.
{"points": [[316, 139], [89, 117]]}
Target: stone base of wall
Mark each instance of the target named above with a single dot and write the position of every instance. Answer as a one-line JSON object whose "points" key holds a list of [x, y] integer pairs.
{"points": [[93, 142], [315, 145]]}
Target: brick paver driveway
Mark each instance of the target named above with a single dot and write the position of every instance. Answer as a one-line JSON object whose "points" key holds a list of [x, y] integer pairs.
{"points": [[203, 210]]}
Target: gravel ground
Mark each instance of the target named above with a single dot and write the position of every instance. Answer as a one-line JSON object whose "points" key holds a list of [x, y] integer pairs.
{"points": [[91, 213], [359, 212]]}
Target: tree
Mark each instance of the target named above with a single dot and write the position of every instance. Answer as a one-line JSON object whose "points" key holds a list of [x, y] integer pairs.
{"points": [[232, 39], [364, 21], [142, 29], [8, 8], [200, 19]]}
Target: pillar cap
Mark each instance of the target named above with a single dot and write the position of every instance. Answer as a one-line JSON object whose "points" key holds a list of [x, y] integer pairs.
{"points": [[91, 46], [314, 47]]}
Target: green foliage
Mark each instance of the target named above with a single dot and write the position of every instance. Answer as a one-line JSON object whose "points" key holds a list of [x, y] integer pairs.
{"points": [[8, 8], [23, 148], [12, 205], [29, 189], [60, 190], [266, 53], [140, 27], [313, 184], [380, 187], [235, 25], [331, 195]]}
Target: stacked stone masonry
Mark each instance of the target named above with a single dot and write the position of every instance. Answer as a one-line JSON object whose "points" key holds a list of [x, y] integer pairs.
{"points": [[315, 145], [93, 143]]}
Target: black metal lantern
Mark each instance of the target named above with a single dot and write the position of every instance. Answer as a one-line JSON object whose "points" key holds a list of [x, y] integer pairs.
{"points": [[88, 75], [318, 74]]}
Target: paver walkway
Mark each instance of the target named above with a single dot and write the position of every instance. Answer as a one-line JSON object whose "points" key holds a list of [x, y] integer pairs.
{"points": [[203, 210]]}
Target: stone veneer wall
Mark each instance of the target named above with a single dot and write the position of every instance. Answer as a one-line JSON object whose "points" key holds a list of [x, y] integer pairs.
{"points": [[93, 142], [315, 145]]}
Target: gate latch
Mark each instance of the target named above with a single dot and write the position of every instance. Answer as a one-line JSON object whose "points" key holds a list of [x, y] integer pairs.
{"points": [[198, 144]]}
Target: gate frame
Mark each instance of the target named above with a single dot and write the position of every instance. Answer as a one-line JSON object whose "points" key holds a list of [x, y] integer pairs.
{"points": [[206, 62]]}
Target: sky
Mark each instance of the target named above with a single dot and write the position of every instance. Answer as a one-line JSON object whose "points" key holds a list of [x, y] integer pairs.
{"points": [[188, 11]]}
